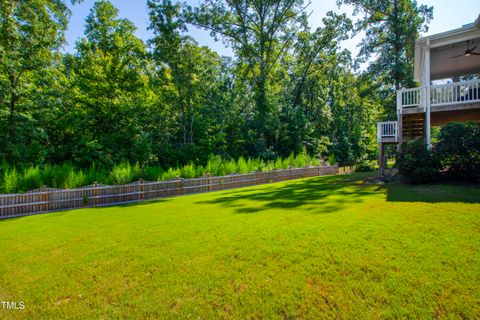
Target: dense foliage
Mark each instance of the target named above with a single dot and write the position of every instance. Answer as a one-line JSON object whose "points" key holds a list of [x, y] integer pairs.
{"points": [[458, 150], [455, 156], [169, 102], [417, 164], [68, 176], [391, 28]]}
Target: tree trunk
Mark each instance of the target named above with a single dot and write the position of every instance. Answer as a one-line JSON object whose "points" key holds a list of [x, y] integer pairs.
{"points": [[261, 104], [11, 114], [397, 47]]}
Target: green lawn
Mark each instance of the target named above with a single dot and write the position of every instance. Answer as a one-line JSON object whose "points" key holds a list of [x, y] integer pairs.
{"points": [[342, 247]]}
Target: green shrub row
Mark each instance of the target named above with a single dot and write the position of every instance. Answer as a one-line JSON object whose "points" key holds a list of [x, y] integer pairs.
{"points": [[456, 156], [67, 176]]}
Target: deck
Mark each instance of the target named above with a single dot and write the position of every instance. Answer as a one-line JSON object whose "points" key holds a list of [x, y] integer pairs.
{"points": [[459, 101], [387, 132], [455, 96]]}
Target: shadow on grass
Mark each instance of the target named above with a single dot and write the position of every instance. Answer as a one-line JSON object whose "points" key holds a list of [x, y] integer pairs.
{"points": [[434, 193], [318, 195], [141, 202], [93, 210]]}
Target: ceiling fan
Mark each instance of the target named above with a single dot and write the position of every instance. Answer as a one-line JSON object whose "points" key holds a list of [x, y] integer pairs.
{"points": [[468, 52]]}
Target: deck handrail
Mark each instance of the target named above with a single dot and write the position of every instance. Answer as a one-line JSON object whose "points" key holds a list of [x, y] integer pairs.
{"points": [[387, 129], [455, 93], [454, 83], [411, 97], [463, 92]]}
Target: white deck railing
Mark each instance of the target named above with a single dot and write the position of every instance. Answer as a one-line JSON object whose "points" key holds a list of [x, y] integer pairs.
{"points": [[456, 93], [387, 129], [410, 98]]}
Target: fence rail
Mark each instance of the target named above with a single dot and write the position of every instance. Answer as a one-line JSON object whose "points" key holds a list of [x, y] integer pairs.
{"points": [[48, 199]]}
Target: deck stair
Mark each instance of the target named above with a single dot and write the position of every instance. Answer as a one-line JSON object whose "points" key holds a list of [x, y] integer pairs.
{"points": [[413, 127]]}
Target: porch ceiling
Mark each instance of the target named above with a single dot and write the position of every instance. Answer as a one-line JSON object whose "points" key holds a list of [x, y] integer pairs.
{"points": [[442, 66], [447, 44]]}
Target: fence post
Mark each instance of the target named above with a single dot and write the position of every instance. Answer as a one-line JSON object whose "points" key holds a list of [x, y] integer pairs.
{"points": [[43, 189], [85, 198], [209, 182], [234, 178], [95, 193], [141, 194], [177, 184]]}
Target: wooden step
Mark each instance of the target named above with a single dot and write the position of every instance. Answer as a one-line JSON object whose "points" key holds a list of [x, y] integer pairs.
{"points": [[413, 127], [413, 123], [419, 121], [419, 131]]}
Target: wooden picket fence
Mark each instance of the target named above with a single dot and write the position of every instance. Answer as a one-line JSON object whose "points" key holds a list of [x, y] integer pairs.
{"points": [[48, 199]]}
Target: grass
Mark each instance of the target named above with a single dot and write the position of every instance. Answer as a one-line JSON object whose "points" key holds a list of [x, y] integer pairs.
{"points": [[342, 247]]}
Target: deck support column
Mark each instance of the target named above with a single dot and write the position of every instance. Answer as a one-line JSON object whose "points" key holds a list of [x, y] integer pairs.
{"points": [[427, 96], [399, 122], [381, 162], [427, 119]]}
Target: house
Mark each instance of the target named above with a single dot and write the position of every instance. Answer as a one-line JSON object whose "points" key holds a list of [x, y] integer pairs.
{"points": [[443, 63]]}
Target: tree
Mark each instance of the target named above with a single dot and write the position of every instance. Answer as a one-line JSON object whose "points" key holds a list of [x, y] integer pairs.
{"points": [[112, 93], [391, 27], [310, 46], [333, 115], [305, 111], [194, 81], [30, 33], [260, 33], [352, 130], [288, 88], [176, 54]]}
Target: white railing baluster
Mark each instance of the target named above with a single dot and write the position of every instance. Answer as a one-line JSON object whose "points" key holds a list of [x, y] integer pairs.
{"points": [[387, 129], [441, 95], [410, 98]]}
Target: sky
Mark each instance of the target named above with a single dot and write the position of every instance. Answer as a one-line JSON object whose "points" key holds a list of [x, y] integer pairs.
{"points": [[447, 14]]}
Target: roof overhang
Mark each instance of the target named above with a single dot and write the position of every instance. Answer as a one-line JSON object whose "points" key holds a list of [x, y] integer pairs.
{"points": [[447, 44]]}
